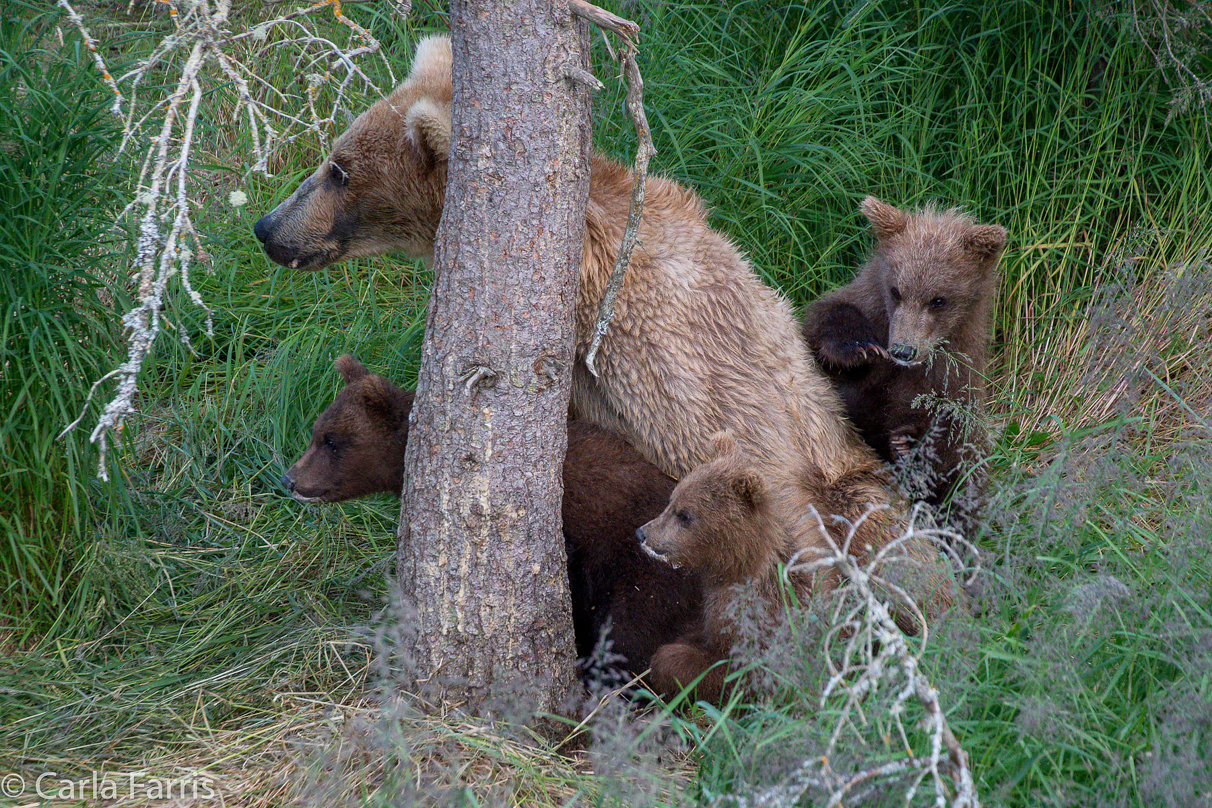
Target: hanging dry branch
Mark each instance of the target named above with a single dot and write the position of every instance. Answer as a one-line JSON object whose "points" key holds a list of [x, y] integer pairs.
{"points": [[867, 652], [202, 51], [629, 32]]}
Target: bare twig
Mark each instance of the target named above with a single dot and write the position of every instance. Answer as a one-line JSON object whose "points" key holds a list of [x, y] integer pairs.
{"points": [[865, 651], [628, 31], [168, 244], [1175, 35]]}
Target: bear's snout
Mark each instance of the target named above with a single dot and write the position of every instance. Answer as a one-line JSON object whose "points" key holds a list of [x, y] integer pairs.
{"points": [[659, 555], [288, 482]]}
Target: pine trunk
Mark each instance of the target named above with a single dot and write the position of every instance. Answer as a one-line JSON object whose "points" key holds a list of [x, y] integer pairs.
{"points": [[481, 552]]}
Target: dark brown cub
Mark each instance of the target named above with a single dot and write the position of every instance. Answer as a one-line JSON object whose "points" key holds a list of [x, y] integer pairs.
{"points": [[357, 449]]}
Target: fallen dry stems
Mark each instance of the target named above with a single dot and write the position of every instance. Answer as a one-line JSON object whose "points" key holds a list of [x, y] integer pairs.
{"points": [[867, 652]]}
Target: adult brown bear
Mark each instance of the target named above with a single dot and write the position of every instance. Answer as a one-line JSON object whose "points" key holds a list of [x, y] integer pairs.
{"points": [[698, 343]]}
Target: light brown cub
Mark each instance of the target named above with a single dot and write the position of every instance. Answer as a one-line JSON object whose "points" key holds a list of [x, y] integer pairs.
{"points": [[724, 523], [906, 343]]}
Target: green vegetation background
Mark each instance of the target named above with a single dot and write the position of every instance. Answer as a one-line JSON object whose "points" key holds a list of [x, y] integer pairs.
{"points": [[190, 610]]}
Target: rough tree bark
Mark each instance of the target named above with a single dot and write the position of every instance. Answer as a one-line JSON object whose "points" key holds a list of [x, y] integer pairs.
{"points": [[481, 551]]}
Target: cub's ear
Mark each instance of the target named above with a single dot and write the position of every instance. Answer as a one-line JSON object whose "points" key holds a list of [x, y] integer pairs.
{"points": [[886, 219], [984, 240], [427, 125], [722, 443], [750, 488], [350, 368], [382, 402]]}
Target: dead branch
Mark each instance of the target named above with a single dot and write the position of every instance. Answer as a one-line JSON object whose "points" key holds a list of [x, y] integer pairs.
{"points": [[866, 651], [625, 29], [629, 32], [168, 244], [78, 21]]}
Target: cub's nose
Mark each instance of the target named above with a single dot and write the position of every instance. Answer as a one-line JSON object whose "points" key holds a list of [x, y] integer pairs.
{"points": [[288, 482], [639, 534], [903, 353]]}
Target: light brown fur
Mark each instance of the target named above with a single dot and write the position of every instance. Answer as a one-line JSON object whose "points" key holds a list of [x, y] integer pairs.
{"points": [[725, 523], [906, 344], [698, 343]]}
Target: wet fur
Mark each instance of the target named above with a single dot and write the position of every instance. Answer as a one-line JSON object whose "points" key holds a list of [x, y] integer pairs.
{"points": [[357, 449], [924, 411]]}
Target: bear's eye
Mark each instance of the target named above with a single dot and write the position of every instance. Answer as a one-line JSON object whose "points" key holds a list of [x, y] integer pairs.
{"points": [[938, 302], [684, 517], [330, 443], [337, 174], [896, 294]]}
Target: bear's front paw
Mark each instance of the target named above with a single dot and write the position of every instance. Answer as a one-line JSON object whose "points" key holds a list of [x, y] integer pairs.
{"points": [[902, 444], [849, 353], [676, 665]]}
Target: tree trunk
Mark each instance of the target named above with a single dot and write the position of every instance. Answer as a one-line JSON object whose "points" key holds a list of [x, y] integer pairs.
{"points": [[481, 551]]}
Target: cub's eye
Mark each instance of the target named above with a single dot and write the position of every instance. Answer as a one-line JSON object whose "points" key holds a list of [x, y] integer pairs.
{"points": [[684, 517], [337, 174], [938, 302], [330, 443], [896, 294]]}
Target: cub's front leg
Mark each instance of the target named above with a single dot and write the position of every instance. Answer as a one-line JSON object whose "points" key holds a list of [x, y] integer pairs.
{"points": [[675, 665], [841, 336]]}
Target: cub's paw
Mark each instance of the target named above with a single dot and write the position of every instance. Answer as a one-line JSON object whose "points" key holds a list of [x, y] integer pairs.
{"points": [[841, 336], [844, 352], [901, 443]]}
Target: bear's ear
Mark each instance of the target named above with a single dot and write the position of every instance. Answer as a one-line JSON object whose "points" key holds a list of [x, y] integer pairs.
{"points": [[984, 240], [887, 220], [350, 368], [750, 488], [722, 443], [432, 59], [427, 124], [379, 402]]}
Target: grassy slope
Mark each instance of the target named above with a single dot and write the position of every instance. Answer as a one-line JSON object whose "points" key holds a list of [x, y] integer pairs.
{"points": [[192, 609]]}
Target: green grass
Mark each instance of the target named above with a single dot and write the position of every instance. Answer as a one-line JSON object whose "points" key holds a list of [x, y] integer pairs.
{"points": [[190, 614]]}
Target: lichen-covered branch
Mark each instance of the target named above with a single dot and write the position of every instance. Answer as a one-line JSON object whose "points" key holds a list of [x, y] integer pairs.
{"points": [[205, 54], [867, 653], [628, 31]]}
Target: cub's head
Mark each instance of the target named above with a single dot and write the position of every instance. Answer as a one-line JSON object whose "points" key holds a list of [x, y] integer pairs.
{"points": [[357, 444], [381, 190], [718, 520], [938, 274]]}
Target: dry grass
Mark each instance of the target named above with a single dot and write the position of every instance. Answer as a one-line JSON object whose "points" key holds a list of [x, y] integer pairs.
{"points": [[1139, 349], [311, 750]]}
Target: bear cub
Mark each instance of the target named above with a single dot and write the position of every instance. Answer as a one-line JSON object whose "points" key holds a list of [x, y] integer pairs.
{"points": [[906, 343], [618, 592], [723, 523]]}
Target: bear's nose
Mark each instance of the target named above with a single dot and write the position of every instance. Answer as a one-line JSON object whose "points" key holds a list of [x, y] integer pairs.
{"points": [[288, 482], [639, 534], [261, 228], [903, 353]]}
